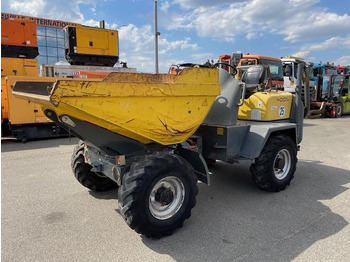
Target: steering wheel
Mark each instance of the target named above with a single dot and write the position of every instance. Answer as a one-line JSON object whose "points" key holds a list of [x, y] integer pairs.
{"points": [[225, 64]]}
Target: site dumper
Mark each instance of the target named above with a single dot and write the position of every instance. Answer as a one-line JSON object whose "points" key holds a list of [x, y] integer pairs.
{"points": [[149, 136]]}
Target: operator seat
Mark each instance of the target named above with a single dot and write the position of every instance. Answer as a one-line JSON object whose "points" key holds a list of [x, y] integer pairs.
{"points": [[254, 78]]}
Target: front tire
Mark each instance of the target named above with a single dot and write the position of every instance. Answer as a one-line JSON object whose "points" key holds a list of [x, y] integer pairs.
{"points": [[339, 110], [157, 194], [82, 172], [274, 169]]}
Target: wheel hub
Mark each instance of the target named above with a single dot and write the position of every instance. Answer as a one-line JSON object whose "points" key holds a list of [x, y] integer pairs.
{"points": [[282, 164], [166, 197]]}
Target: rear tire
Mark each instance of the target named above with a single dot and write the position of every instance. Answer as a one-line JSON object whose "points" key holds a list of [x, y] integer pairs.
{"points": [[82, 172], [157, 194], [274, 169]]}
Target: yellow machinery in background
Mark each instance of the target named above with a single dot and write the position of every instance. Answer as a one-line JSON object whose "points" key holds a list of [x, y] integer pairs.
{"points": [[19, 66], [88, 46], [18, 50], [23, 119], [4, 100], [21, 111], [91, 46]]}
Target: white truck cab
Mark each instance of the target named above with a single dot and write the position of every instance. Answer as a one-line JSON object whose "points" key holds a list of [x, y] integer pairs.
{"points": [[290, 65]]}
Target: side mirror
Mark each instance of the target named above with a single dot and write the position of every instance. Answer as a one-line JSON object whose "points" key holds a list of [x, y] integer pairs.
{"points": [[235, 57]]}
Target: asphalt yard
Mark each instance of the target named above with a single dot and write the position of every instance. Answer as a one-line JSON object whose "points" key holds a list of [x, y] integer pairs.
{"points": [[48, 216]]}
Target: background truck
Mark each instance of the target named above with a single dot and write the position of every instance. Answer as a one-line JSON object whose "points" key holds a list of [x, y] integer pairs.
{"points": [[320, 69], [290, 65], [332, 97], [343, 70], [149, 135], [275, 65]]}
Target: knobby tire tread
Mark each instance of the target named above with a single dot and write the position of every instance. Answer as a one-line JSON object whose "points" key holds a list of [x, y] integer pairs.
{"points": [[132, 191], [261, 169], [84, 175]]}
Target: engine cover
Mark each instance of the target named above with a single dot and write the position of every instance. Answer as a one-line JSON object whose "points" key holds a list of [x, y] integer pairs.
{"points": [[266, 106]]}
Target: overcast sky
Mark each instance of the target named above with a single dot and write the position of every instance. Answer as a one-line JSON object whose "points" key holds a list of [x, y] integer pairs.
{"points": [[198, 30]]}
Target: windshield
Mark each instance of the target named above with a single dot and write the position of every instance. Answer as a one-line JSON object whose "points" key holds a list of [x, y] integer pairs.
{"points": [[311, 74], [338, 83], [340, 71], [317, 71], [325, 84], [330, 70], [248, 62], [276, 68]]}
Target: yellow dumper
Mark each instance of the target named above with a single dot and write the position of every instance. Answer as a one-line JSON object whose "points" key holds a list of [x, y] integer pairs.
{"points": [[151, 136]]}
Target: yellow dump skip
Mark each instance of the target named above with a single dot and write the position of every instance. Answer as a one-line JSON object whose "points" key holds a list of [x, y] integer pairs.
{"points": [[162, 108]]}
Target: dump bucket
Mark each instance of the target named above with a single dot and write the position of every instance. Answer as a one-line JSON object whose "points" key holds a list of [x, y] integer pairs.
{"points": [[162, 108]]}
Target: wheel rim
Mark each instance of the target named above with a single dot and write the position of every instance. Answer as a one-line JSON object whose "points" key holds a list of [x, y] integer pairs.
{"points": [[282, 164], [166, 198]]}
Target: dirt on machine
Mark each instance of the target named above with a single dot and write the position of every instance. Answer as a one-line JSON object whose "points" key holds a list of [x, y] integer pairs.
{"points": [[152, 136]]}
